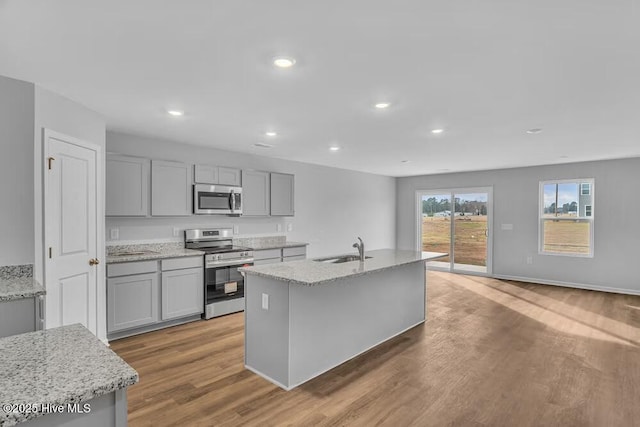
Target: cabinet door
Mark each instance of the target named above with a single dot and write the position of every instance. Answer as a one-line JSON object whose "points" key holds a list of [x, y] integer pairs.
{"points": [[205, 174], [127, 186], [132, 301], [255, 193], [170, 188], [182, 293], [229, 176], [282, 194]]}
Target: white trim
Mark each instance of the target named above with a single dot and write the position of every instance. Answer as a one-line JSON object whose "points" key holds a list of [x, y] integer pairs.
{"points": [[568, 285], [101, 301]]}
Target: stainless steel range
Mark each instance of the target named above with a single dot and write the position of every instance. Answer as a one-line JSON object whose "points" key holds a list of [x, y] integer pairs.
{"points": [[223, 284]]}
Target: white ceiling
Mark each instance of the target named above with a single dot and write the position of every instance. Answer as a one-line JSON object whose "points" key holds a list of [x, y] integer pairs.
{"points": [[483, 70]]}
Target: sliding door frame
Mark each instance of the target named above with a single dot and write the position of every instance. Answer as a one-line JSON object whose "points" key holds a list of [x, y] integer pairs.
{"points": [[452, 191]]}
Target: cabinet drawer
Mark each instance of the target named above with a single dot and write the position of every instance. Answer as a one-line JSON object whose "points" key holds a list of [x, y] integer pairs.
{"points": [[294, 258], [267, 254], [297, 251], [180, 263], [128, 268]]}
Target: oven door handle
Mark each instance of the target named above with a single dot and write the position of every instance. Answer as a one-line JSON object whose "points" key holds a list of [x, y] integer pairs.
{"points": [[234, 263], [232, 200]]}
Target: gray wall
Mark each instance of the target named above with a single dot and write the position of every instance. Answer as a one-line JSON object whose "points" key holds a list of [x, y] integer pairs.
{"points": [[333, 206], [515, 193], [16, 171]]}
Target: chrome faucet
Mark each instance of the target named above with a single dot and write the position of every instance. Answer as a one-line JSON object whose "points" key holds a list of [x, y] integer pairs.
{"points": [[360, 247]]}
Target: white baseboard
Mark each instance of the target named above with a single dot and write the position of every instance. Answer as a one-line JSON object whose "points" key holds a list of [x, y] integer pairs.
{"points": [[569, 285]]}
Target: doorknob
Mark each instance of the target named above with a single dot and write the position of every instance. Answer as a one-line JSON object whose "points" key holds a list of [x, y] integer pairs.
{"points": [[94, 261]]}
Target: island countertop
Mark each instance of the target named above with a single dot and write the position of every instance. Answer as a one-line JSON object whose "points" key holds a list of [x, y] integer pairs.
{"points": [[57, 366], [16, 282], [310, 272]]}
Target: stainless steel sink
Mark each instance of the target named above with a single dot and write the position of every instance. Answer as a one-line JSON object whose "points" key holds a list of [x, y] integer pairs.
{"points": [[341, 259]]}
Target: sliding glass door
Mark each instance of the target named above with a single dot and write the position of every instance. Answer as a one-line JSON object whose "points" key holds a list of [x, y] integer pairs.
{"points": [[458, 222]]}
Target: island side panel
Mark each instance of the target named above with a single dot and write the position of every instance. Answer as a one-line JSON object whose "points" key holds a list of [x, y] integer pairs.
{"points": [[267, 331], [333, 322]]}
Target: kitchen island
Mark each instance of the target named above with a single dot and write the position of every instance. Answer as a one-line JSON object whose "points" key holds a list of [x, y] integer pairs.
{"points": [[62, 376], [303, 318]]}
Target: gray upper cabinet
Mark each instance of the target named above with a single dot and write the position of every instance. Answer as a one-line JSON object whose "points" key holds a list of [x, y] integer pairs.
{"points": [[170, 188], [282, 194], [256, 197], [127, 182], [205, 174], [229, 176]]}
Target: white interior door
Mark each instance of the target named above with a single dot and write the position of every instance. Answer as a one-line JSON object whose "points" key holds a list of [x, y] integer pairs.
{"points": [[70, 209]]}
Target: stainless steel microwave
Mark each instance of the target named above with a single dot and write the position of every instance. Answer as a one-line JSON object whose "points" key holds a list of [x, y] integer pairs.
{"points": [[217, 200]]}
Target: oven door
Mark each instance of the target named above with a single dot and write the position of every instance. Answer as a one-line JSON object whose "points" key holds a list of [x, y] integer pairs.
{"points": [[216, 199], [224, 283]]}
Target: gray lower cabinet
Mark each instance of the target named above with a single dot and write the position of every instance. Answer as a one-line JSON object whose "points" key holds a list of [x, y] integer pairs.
{"points": [[21, 315], [132, 301], [256, 197], [282, 194], [171, 188], [182, 293], [148, 295]]}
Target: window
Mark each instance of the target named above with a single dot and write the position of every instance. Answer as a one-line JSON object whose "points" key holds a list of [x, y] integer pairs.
{"points": [[566, 217]]}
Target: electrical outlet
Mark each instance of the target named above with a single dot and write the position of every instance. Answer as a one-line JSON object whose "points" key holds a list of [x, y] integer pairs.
{"points": [[265, 301], [114, 233], [279, 227], [176, 232], [290, 227], [236, 229], [529, 259]]}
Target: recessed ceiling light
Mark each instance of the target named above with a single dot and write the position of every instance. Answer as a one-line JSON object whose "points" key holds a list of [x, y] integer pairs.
{"points": [[564, 157], [437, 131], [534, 131], [334, 148], [270, 133], [382, 105], [284, 62], [405, 161], [176, 113], [262, 145]]}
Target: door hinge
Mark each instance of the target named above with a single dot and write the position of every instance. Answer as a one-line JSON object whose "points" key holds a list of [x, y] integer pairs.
{"points": [[50, 252], [50, 160]]}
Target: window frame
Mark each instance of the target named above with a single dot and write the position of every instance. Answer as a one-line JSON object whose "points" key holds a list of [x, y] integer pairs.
{"points": [[590, 219]]}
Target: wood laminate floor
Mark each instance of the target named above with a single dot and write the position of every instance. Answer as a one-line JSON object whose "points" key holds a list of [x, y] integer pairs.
{"points": [[492, 353]]}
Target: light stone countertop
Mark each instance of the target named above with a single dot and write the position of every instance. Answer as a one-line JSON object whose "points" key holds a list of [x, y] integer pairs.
{"points": [[57, 366], [310, 272], [265, 242], [261, 246], [16, 282], [152, 251]]}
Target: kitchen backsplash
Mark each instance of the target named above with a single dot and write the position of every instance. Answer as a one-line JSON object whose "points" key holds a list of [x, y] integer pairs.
{"points": [[12, 271]]}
